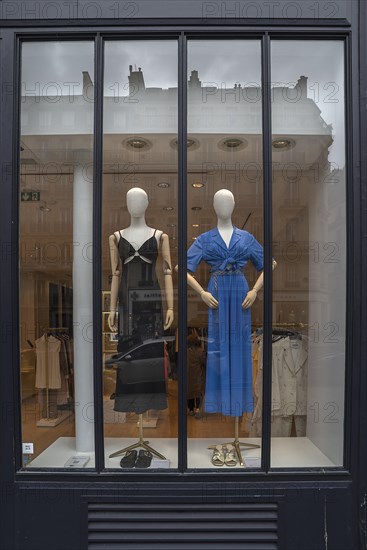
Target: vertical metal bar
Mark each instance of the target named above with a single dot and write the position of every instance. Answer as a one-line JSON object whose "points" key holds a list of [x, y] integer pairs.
{"points": [[14, 179], [182, 235], [351, 221], [97, 248], [268, 291]]}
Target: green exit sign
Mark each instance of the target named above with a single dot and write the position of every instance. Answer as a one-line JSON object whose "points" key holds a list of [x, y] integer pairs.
{"points": [[30, 196]]}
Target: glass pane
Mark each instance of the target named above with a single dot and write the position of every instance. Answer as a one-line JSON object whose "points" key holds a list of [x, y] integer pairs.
{"points": [[225, 255], [309, 231], [139, 236], [56, 206]]}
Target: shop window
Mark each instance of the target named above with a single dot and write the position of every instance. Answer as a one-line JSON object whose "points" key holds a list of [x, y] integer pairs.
{"points": [[225, 241], [55, 237], [139, 236], [308, 366], [220, 391]]}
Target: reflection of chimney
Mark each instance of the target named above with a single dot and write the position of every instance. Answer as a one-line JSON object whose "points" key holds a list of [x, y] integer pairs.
{"points": [[194, 81], [136, 80], [302, 85], [87, 82]]}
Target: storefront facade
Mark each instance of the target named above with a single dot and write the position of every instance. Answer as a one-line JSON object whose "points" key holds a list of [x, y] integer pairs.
{"points": [[182, 280]]}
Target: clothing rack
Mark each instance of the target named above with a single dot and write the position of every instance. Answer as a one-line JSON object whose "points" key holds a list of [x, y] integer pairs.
{"points": [[294, 325], [282, 325]]}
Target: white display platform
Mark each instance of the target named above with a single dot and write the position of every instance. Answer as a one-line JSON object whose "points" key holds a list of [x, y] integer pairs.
{"points": [[56, 455], [287, 452]]}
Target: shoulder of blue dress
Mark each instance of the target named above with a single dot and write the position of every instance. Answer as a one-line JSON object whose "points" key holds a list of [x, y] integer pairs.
{"points": [[208, 234], [246, 233]]}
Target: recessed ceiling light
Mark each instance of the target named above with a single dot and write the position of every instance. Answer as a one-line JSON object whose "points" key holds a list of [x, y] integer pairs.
{"points": [[191, 143], [232, 144], [137, 144], [163, 185], [195, 225], [196, 208], [283, 143], [168, 208], [193, 238], [171, 225], [198, 184]]}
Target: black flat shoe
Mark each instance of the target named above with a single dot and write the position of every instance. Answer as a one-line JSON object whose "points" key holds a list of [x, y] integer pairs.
{"points": [[144, 459], [128, 461]]}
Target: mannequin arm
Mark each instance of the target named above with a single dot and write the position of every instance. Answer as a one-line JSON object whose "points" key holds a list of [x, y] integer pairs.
{"points": [[207, 297], [116, 268], [168, 283], [252, 294]]}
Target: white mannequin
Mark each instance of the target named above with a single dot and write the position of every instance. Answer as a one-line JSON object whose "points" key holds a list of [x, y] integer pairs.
{"points": [[137, 233], [223, 203]]}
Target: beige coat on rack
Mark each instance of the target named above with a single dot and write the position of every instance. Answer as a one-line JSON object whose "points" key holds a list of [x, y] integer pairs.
{"points": [[48, 368]]}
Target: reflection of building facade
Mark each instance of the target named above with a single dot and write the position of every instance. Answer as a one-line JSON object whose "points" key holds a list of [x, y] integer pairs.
{"points": [[215, 112]]}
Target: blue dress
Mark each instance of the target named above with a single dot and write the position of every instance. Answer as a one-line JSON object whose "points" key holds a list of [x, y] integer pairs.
{"points": [[228, 387]]}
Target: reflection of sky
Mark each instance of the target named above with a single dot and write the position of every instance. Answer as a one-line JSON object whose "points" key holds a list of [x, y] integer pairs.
{"points": [[54, 65], [221, 62], [322, 62]]}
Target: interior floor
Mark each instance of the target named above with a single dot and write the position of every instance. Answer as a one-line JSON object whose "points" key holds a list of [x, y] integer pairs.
{"points": [[198, 426]]}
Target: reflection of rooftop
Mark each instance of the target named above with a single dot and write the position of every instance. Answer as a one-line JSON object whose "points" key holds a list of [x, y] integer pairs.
{"points": [[140, 109]]}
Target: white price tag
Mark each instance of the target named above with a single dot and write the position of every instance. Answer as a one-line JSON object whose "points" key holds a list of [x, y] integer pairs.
{"points": [[28, 448], [78, 461], [253, 462]]}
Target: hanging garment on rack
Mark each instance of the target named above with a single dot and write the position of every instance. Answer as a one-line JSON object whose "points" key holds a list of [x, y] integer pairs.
{"points": [[228, 388], [63, 395], [281, 426], [289, 386], [48, 362], [291, 373], [195, 372]]}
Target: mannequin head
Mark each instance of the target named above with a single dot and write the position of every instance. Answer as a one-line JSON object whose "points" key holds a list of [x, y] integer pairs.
{"points": [[137, 202], [223, 203]]}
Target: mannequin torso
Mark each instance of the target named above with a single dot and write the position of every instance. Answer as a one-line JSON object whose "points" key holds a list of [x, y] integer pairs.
{"points": [[139, 237]]}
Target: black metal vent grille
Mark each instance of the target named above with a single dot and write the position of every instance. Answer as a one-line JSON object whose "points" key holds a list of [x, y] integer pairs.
{"points": [[182, 526]]}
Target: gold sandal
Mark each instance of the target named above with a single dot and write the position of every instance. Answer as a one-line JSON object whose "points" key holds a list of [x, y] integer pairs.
{"points": [[230, 457], [218, 456]]}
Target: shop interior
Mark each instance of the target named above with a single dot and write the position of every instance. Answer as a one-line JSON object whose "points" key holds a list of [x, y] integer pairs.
{"points": [[308, 283]]}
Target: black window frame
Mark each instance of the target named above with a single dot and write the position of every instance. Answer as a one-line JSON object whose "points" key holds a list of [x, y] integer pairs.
{"points": [[183, 34]]}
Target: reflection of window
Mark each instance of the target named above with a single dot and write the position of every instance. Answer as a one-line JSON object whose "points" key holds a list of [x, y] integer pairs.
{"points": [[292, 193], [44, 118], [68, 118], [292, 227], [256, 227], [291, 276], [24, 119]]}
